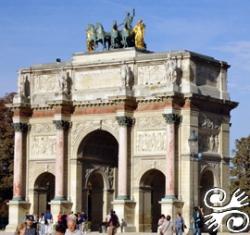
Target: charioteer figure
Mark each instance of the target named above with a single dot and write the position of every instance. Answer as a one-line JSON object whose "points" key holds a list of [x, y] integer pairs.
{"points": [[129, 36]]}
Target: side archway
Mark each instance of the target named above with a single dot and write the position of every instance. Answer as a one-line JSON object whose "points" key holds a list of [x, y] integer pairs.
{"points": [[207, 182], [44, 192], [152, 190]]}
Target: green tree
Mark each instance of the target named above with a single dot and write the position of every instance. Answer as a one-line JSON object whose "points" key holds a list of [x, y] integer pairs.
{"points": [[6, 152], [240, 171]]}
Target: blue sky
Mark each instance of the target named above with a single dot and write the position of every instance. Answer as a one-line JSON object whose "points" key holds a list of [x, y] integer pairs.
{"points": [[39, 31]]}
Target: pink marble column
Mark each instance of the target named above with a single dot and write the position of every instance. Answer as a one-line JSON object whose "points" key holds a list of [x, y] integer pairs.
{"points": [[19, 158], [171, 120], [61, 127], [125, 123]]}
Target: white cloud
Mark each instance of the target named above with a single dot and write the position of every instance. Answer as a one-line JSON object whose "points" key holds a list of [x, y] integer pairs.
{"points": [[239, 51]]}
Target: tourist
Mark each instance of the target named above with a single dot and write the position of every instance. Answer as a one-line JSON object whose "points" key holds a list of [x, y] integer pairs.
{"points": [[160, 223], [20, 230], [60, 229], [72, 226], [41, 222], [30, 228], [179, 224], [48, 223], [167, 227], [123, 225], [59, 217], [197, 221], [83, 222], [113, 223]]}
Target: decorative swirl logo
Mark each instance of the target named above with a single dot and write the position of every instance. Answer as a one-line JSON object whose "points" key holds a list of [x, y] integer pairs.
{"points": [[236, 221]]}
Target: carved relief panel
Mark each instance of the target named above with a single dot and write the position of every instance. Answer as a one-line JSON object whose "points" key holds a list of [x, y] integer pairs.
{"points": [[209, 129], [42, 141], [150, 142], [169, 72], [150, 136]]}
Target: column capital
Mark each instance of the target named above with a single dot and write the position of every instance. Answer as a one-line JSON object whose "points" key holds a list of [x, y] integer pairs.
{"points": [[172, 118], [61, 124], [20, 127], [125, 121]]}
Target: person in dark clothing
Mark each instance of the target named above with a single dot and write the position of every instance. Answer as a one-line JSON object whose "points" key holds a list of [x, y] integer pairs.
{"points": [[197, 221], [60, 229], [113, 223], [30, 228]]}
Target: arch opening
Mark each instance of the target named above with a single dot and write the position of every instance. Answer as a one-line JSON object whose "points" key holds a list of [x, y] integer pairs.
{"points": [[206, 183], [44, 192], [152, 190], [98, 153]]}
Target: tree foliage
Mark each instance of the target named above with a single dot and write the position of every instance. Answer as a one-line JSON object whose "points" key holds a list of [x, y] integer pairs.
{"points": [[241, 167], [6, 150]]}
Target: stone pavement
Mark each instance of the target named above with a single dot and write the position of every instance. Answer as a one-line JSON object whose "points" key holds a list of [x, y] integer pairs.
{"points": [[132, 233]]}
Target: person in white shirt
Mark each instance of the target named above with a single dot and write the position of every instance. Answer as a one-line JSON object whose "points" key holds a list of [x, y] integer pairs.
{"points": [[41, 222], [72, 226]]}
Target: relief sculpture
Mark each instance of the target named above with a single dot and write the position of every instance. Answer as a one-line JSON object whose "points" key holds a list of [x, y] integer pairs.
{"points": [[43, 147], [151, 142]]}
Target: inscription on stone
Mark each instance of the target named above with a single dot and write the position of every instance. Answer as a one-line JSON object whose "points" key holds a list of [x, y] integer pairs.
{"points": [[97, 79]]}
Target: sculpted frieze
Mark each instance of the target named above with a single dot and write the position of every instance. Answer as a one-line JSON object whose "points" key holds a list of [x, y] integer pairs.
{"points": [[43, 147], [167, 73], [209, 121], [150, 142]]}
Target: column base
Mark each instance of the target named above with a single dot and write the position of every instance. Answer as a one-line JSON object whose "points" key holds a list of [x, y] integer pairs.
{"points": [[171, 206], [57, 206], [17, 212], [125, 209]]}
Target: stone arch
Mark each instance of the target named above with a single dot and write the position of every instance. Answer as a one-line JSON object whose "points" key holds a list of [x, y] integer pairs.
{"points": [[86, 130], [214, 172], [44, 192], [206, 182], [98, 154], [152, 190], [95, 186], [104, 177], [144, 171]]}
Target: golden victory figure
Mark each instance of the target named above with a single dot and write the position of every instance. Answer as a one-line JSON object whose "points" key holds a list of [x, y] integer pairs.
{"points": [[139, 35]]}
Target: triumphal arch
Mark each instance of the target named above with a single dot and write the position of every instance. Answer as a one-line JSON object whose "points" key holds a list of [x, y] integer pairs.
{"points": [[110, 130]]}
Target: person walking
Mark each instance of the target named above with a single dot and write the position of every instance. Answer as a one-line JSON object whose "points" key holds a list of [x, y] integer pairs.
{"points": [[113, 223], [160, 223], [167, 227], [197, 221], [20, 230], [48, 222], [72, 226], [83, 223], [179, 224], [123, 225], [60, 229], [41, 222], [30, 228]]}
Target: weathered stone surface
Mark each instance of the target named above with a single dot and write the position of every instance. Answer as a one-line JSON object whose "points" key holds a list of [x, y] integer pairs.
{"points": [[147, 104]]}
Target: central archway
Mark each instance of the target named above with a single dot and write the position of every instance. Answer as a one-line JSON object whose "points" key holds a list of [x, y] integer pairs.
{"points": [[152, 190], [98, 153]]}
